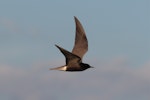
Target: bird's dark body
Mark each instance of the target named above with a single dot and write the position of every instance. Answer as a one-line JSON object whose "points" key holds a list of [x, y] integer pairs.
{"points": [[80, 67]]}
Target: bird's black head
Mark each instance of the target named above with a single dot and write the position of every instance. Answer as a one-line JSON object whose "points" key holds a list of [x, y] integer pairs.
{"points": [[85, 66]]}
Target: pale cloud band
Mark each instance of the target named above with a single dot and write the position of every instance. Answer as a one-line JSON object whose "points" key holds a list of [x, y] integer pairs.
{"points": [[112, 81]]}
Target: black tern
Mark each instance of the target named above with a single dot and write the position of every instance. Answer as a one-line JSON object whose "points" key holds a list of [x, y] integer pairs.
{"points": [[74, 59]]}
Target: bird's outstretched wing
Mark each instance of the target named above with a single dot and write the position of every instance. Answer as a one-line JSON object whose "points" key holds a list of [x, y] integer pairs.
{"points": [[70, 58], [81, 42]]}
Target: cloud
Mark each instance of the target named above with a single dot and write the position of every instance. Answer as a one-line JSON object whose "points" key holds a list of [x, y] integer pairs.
{"points": [[113, 80], [9, 24], [12, 26], [143, 72]]}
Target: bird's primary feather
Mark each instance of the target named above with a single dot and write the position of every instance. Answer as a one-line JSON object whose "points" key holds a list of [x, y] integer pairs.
{"points": [[81, 42]]}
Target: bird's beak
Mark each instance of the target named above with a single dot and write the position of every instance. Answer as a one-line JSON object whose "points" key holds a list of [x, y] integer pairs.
{"points": [[91, 67]]}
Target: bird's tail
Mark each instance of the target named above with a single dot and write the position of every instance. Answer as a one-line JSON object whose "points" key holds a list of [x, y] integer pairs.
{"points": [[62, 68]]}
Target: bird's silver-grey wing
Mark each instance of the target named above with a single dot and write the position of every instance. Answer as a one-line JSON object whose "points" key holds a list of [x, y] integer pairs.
{"points": [[81, 42], [70, 58]]}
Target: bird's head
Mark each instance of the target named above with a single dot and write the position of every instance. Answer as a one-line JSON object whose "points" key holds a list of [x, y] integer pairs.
{"points": [[86, 66]]}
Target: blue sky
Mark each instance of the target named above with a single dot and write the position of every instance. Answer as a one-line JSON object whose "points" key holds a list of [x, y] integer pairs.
{"points": [[119, 49]]}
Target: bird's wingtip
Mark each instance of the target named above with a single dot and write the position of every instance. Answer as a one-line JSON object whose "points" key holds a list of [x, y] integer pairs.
{"points": [[75, 18], [49, 68], [56, 45]]}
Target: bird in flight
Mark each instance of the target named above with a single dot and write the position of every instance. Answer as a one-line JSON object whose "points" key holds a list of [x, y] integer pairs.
{"points": [[74, 58]]}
